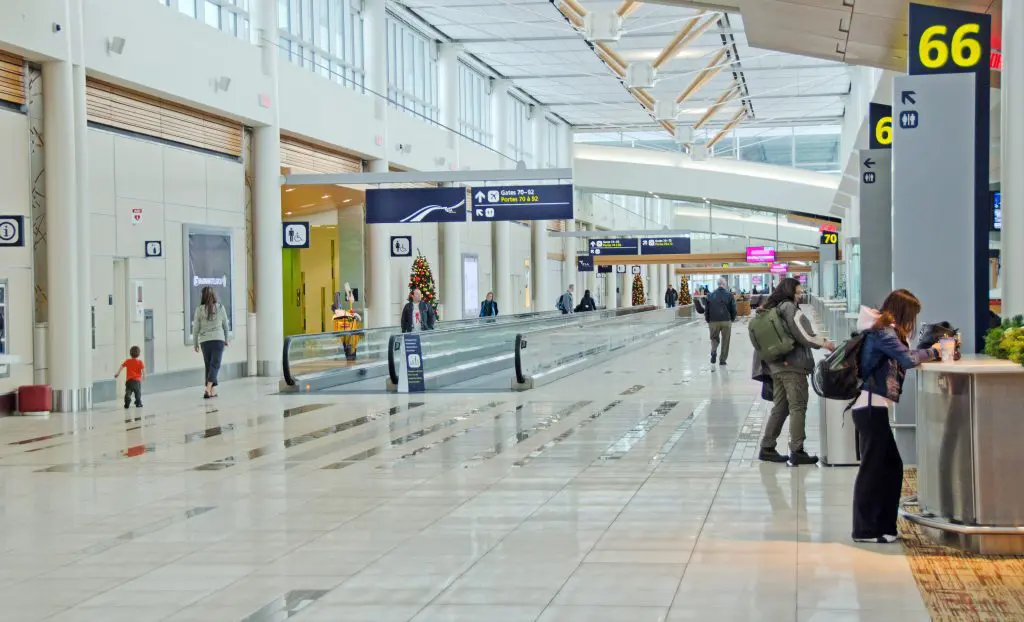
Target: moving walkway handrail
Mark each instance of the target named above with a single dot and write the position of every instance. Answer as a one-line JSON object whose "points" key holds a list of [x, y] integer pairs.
{"points": [[576, 319], [464, 324], [521, 341]]}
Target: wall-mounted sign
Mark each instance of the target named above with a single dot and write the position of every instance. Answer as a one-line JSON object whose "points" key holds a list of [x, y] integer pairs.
{"points": [[413, 205], [997, 211], [615, 246], [12, 231], [620, 269], [584, 263], [543, 202], [136, 215], [295, 235], [604, 269], [401, 246], [636, 269], [760, 254], [664, 246], [154, 248]]}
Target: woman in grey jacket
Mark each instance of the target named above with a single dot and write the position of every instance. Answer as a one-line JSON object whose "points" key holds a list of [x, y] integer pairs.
{"points": [[210, 334], [789, 376]]}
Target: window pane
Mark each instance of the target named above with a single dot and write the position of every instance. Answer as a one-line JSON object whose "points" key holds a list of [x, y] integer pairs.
{"points": [[282, 14], [188, 7], [212, 13]]}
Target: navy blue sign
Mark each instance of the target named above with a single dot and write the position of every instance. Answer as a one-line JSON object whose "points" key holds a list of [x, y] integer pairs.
{"points": [[618, 246], [522, 202], [411, 205], [604, 269], [12, 231], [295, 235], [664, 246], [414, 363], [584, 263]]}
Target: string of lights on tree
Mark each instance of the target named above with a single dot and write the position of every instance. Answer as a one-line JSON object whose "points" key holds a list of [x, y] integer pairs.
{"points": [[422, 278], [685, 298], [638, 290]]}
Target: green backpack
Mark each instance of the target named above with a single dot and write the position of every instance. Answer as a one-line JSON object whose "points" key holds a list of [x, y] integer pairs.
{"points": [[770, 336]]}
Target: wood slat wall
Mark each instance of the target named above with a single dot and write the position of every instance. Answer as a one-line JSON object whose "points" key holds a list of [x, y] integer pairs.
{"points": [[12, 79], [309, 158], [121, 108]]}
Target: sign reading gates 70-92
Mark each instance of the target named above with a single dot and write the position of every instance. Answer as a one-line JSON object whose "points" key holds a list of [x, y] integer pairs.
{"points": [[543, 202]]}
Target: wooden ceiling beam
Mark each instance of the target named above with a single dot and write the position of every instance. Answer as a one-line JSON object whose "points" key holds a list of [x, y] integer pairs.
{"points": [[710, 71], [627, 7], [739, 116]]}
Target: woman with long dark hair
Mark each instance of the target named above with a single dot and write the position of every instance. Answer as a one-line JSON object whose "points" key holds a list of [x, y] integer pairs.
{"points": [[789, 376], [210, 334], [885, 357]]}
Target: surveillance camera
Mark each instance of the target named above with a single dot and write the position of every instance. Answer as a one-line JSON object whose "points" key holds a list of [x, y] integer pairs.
{"points": [[57, 27]]}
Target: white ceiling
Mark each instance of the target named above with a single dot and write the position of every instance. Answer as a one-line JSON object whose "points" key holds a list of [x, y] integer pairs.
{"points": [[530, 42]]}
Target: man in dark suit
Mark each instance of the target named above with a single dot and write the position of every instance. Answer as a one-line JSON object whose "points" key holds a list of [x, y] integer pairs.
{"points": [[418, 315]]}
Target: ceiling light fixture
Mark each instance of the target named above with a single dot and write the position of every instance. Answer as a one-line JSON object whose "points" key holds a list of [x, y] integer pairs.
{"points": [[307, 205], [287, 213], [346, 200], [326, 196], [289, 189]]}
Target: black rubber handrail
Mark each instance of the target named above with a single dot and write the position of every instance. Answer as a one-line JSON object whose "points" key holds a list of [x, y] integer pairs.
{"points": [[393, 346]]}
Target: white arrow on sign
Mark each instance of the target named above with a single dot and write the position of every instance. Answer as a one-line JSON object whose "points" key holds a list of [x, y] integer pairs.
{"points": [[479, 196]]}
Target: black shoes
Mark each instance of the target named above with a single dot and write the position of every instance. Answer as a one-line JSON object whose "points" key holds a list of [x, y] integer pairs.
{"points": [[802, 457], [722, 364], [886, 539], [770, 455], [714, 356]]}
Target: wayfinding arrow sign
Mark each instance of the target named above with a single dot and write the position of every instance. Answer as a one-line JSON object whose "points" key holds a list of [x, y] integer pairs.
{"points": [[907, 97], [869, 163]]}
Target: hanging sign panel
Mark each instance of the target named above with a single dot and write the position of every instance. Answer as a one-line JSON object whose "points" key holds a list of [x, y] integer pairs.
{"points": [[543, 202], [664, 246], [413, 205], [880, 118], [584, 263], [615, 246]]}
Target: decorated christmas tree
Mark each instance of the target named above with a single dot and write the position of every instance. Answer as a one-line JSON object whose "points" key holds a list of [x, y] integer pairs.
{"points": [[638, 290], [684, 292], [422, 279]]}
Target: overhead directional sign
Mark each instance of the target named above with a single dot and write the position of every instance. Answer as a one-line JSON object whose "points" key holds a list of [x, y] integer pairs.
{"points": [[615, 246], [413, 205], [542, 202], [880, 117], [664, 246]]}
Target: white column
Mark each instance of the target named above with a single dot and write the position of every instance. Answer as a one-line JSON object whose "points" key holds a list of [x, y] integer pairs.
{"points": [[267, 210], [84, 251], [566, 152], [63, 298], [569, 272], [626, 289], [539, 228], [499, 121], [378, 268], [448, 84], [1012, 145], [375, 51], [502, 231], [451, 271]]}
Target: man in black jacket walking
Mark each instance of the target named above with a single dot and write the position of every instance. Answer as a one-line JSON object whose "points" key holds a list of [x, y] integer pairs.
{"points": [[418, 315], [720, 312]]}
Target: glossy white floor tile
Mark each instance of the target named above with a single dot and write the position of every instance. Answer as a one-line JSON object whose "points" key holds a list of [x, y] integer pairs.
{"points": [[629, 492]]}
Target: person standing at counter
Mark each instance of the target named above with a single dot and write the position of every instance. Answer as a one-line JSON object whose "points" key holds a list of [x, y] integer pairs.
{"points": [[884, 359], [489, 308]]}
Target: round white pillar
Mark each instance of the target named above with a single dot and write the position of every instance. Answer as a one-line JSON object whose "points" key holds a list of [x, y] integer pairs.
{"points": [[451, 271], [539, 266], [499, 121], [267, 211], [1012, 146], [63, 297], [569, 272], [378, 268], [84, 228], [502, 236]]}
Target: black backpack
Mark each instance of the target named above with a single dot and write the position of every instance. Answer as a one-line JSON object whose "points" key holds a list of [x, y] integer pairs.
{"points": [[837, 376]]}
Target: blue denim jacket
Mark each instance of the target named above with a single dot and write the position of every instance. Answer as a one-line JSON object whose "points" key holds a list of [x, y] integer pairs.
{"points": [[885, 358]]}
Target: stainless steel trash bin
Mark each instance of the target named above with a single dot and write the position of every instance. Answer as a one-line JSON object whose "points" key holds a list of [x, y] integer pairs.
{"points": [[838, 436]]}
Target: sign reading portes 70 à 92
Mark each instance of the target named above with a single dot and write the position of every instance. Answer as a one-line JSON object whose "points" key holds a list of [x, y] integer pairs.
{"points": [[543, 202]]}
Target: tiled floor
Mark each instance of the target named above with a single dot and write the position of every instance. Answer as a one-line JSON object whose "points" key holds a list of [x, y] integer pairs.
{"points": [[626, 493]]}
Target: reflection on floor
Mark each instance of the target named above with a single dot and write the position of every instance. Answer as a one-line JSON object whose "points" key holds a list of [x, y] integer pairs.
{"points": [[627, 493]]}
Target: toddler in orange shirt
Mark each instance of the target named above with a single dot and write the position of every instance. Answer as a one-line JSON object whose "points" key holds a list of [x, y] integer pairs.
{"points": [[134, 369]]}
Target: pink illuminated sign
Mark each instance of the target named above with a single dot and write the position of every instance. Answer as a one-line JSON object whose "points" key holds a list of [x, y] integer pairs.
{"points": [[760, 254], [779, 268]]}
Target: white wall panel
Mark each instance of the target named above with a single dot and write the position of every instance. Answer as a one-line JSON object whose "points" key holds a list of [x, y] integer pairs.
{"points": [[16, 263]]}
